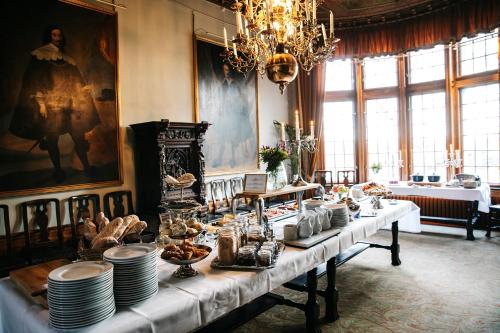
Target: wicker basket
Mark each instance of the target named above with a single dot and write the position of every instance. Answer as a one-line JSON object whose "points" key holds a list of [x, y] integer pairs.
{"points": [[87, 254]]}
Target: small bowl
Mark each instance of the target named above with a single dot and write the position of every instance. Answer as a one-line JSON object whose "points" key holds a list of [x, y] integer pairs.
{"points": [[434, 178], [417, 178]]}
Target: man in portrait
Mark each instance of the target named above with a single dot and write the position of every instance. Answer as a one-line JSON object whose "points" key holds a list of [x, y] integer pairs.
{"points": [[54, 100]]}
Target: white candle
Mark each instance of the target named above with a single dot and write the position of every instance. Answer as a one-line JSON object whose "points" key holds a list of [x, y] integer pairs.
{"points": [[311, 125], [324, 33], [331, 24], [225, 38], [251, 9], [306, 4], [457, 154], [282, 131], [314, 10], [268, 12], [235, 51], [400, 155], [297, 125], [238, 22]]}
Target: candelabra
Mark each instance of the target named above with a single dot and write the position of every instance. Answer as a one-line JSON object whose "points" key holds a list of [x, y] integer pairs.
{"points": [[453, 162], [308, 144]]}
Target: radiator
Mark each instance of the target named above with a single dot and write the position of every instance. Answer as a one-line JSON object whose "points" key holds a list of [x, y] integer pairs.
{"points": [[437, 207]]}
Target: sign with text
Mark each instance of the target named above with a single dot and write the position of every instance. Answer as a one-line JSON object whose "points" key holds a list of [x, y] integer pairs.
{"points": [[255, 183]]}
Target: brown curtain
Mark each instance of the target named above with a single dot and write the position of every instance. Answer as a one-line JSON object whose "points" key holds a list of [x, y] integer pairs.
{"points": [[459, 19], [311, 95]]}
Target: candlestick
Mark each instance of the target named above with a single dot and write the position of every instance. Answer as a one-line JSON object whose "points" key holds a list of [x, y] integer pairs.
{"points": [[311, 124], [235, 51], [282, 131], [314, 10], [225, 38], [239, 29], [324, 33], [331, 24], [297, 125]]}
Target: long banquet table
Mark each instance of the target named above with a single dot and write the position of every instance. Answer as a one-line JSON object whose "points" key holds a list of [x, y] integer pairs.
{"points": [[185, 305]]}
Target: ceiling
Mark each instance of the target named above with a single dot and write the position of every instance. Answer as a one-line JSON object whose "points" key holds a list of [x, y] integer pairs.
{"points": [[351, 14]]}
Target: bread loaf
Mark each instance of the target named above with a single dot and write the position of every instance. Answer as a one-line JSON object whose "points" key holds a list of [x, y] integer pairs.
{"points": [[89, 230], [136, 228], [109, 230], [104, 242], [101, 221]]}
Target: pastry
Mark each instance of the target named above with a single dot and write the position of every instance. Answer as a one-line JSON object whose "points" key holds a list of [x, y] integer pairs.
{"points": [[89, 230], [187, 177], [191, 222], [170, 180], [191, 231], [104, 242], [178, 229]]}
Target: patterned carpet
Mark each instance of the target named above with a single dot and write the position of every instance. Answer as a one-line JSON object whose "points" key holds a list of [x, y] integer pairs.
{"points": [[445, 284]]}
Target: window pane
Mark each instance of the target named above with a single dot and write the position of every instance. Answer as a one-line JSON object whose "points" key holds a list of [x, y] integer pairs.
{"points": [[428, 122], [339, 136], [427, 65], [380, 72], [478, 54], [382, 136], [481, 126], [339, 75]]}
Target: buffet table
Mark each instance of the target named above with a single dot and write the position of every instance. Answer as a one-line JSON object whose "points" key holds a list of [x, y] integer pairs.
{"points": [[185, 305]]}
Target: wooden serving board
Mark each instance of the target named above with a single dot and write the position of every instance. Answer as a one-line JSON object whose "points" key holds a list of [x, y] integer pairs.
{"points": [[32, 280], [314, 239], [435, 184]]}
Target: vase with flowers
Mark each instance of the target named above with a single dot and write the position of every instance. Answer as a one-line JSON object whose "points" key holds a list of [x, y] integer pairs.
{"points": [[274, 157]]}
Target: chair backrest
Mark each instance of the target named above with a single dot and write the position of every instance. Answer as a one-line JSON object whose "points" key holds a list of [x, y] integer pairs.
{"points": [[8, 238], [118, 207], [236, 185], [79, 210], [346, 177], [324, 177], [219, 195], [40, 209]]}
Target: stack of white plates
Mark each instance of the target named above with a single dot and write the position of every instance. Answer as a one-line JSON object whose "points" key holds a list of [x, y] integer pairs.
{"points": [[80, 294], [340, 215], [135, 274]]}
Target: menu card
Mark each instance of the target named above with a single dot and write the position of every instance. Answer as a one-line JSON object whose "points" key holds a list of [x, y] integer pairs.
{"points": [[255, 183]]}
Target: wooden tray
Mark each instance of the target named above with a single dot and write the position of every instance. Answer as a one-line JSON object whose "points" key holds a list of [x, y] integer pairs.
{"points": [[32, 280], [314, 239], [435, 184], [281, 248]]}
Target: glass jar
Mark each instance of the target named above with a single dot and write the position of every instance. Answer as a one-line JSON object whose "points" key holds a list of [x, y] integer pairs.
{"points": [[246, 256], [227, 246]]}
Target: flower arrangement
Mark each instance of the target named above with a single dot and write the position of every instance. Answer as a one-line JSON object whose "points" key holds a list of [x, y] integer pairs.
{"points": [[376, 167], [340, 189], [273, 156]]}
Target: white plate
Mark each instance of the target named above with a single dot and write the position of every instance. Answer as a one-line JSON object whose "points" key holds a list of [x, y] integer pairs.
{"points": [[80, 322], [80, 271], [129, 252]]}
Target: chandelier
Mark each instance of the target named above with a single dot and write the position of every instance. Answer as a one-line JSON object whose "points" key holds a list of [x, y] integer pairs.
{"points": [[276, 36]]}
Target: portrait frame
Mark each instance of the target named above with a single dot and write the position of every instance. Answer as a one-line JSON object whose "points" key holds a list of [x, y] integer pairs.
{"points": [[197, 113], [107, 131]]}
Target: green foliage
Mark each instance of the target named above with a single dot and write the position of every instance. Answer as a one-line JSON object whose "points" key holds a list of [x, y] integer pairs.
{"points": [[376, 167], [273, 156]]}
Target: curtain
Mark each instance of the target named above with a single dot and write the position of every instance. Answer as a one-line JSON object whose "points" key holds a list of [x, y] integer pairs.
{"points": [[311, 95], [459, 19]]}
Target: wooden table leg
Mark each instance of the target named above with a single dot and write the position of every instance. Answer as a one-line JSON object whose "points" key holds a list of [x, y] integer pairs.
{"points": [[395, 245], [312, 305], [331, 292], [472, 208]]}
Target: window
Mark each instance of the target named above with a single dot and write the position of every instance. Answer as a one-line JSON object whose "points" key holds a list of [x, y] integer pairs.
{"points": [[428, 125], [478, 54], [339, 136], [426, 65], [480, 109], [339, 75], [380, 72], [382, 136]]}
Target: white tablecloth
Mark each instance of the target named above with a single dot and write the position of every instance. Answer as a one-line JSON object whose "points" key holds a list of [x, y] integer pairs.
{"points": [[184, 305]]}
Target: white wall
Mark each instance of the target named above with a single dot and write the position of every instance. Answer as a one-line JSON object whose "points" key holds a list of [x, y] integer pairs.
{"points": [[156, 76]]}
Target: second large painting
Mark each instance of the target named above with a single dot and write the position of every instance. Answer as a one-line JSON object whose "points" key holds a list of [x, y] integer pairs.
{"points": [[227, 100]]}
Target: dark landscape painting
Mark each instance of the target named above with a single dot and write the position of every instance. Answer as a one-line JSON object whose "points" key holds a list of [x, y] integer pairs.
{"points": [[227, 100], [58, 105]]}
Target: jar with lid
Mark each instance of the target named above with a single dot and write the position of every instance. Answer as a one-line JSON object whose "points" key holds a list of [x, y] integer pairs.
{"points": [[227, 246]]}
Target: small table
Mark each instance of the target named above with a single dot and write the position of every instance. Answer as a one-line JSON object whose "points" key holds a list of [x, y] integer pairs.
{"points": [[258, 199]]}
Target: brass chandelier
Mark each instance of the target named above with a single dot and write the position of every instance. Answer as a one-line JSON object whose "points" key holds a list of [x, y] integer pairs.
{"points": [[276, 36]]}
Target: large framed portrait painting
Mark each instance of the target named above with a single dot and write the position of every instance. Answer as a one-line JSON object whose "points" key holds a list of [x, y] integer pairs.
{"points": [[58, 106], [227, 100]]}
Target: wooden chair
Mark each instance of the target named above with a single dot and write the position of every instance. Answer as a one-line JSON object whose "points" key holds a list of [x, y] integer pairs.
{"points": [[219, 196], [118, 207], [7, 254], [236, 186], [348, 177], [80, 204], [325, 178], [494, 219], [39, 246]]}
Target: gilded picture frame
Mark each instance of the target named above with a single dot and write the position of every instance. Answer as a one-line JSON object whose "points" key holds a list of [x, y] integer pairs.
{"points": [[59, 115], [229, 101]]}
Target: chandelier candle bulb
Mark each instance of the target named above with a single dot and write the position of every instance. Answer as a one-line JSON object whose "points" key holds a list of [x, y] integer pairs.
{"points": [[297, 125], [314, 10], [311, 124], [400, 155], [331, 24], [238, 22], [457, 154], [324, 33], [225, 38], [251, 9], [235, 51], [306, 5]]}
